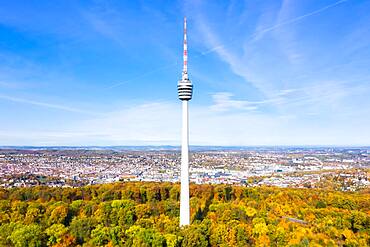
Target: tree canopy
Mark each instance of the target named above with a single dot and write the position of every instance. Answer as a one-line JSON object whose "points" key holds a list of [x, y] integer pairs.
{"points": [[146, 214]]}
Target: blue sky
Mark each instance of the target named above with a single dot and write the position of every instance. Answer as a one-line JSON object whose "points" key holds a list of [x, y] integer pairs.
{"points": [[264, 72]]}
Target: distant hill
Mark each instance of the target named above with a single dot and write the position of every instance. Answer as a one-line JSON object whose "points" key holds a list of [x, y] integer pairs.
{"points": [[192, 148]]}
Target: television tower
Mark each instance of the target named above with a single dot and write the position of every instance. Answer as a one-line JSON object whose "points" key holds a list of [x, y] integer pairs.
{"points": [[185, 91]]}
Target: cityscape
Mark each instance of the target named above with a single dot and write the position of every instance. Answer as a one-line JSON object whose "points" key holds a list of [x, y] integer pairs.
{"points": [[281, 167]]}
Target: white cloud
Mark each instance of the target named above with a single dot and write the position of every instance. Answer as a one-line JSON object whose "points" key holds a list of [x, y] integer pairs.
{"points": [[160, 123], [260, 64], [45, 104], [223, 102], [242, 67]]}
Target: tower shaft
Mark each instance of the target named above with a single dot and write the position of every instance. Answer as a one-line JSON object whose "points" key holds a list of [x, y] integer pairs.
{"points": [[184, 195]]}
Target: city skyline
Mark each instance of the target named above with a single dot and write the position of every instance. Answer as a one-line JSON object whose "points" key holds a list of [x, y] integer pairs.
{"points": [[271, 73]]}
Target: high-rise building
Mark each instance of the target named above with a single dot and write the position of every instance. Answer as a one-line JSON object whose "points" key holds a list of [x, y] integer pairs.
{"points": [[185, 91]]}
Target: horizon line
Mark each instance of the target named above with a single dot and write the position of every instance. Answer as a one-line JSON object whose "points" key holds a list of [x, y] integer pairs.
{"points": [[178, 146]]}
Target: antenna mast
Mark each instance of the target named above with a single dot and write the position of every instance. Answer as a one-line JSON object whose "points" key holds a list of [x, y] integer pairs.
{"points": [[185, 55]]}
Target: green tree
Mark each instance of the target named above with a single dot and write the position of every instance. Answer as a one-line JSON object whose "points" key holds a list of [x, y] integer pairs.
{"points": [[100, 236], [193, 237], [172, 240], [55, 233], [27, 236], [81, 228], [5, 232]]}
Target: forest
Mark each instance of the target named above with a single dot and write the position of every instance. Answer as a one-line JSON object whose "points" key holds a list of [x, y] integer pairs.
{"points": [[147, 214]]}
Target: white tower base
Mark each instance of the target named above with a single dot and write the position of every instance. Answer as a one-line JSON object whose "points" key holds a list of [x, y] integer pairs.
{"points": [[184, 195]]}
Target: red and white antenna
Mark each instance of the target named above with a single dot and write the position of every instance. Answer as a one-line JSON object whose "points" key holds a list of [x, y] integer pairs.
{"points": [[185, 55], [185, 87]]}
